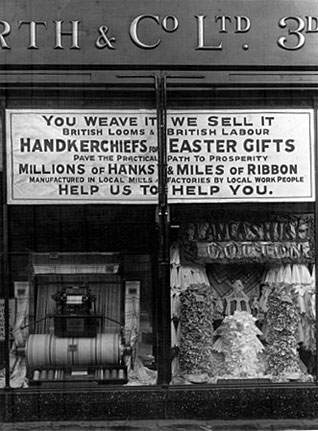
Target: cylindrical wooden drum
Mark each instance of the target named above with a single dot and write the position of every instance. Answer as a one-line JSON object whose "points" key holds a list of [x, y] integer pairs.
{"points": [[43, 350]]}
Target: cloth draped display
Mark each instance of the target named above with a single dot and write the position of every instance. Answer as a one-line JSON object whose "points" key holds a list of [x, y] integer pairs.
{"points": [[181, 278], [238, 342], [20, 333], [222, 277]]}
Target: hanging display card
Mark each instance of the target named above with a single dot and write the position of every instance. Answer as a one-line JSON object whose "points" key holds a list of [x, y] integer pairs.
{"points": [[280, 239], [87, 157]]}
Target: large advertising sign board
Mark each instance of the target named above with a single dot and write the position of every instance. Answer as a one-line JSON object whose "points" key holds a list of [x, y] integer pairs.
{"points": [[81, 156], [93, 156], [245, 155]]}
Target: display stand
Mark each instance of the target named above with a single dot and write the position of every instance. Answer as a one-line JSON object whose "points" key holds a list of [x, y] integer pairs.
{"points": [[77, 314]]}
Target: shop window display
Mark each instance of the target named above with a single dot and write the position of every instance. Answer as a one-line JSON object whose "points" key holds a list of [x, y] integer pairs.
{"points": [[243, 300], [82, 319]]}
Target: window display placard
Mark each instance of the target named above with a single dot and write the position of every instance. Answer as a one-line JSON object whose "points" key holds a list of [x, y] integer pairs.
{"points": [[73, 156], [281, 239], [77, 156], [240, 156]]}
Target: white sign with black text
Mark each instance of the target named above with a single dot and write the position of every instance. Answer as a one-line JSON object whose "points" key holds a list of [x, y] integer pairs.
{"points": [[111, 156]]}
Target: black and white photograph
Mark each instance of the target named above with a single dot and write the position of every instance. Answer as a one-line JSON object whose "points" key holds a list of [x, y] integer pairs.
{"points": [[158, 215]]}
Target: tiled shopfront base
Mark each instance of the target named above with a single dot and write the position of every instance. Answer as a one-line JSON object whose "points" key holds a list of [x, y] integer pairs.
{"points": [[195, 402]]}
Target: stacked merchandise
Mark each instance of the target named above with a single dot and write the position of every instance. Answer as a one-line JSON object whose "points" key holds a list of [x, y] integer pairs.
{"points": [[238, 342], [181, 278], [281, 351], [197, 360], [288, 301]]}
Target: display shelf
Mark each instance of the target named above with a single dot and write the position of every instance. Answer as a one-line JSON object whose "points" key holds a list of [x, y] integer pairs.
{"points": [[91, 376]]}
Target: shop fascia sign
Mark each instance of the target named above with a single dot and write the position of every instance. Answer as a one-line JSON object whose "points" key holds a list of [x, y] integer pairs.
{"points": [[143, 33], [105, 37]]}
